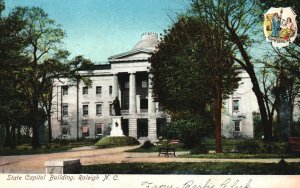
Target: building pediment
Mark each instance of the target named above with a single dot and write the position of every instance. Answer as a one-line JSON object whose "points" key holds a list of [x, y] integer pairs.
{"points": [[133, 55]]}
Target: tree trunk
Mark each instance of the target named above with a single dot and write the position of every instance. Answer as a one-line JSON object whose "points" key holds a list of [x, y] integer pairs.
{"points": [[261, 105], [256, 89], [285, 117], [7, 142], [35, 125], [49, 129], [13, 133], [217, 114], [19, 135]]}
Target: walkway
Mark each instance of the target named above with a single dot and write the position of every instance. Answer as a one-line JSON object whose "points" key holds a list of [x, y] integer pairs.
{"points": [[90, 155]]}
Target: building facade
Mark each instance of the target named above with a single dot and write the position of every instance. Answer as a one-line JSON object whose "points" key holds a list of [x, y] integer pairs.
{"points": [[237, 112], [86, 112]]}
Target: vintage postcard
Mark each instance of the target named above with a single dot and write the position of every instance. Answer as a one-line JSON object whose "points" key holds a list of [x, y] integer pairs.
{"points": [[149, 94]]}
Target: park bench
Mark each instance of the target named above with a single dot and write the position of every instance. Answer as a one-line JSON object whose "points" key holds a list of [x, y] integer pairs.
{"points": [[167, 148], [294, 143]]}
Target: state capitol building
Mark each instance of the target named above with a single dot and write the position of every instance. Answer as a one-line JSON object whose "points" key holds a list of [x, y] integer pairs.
{"points": [[86, 112]]}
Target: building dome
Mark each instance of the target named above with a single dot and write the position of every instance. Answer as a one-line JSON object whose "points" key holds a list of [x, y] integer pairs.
{"points": [[149, 41]]}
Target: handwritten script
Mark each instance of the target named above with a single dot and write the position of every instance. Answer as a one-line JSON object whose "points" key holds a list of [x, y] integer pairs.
{"points": [[228, 183]]}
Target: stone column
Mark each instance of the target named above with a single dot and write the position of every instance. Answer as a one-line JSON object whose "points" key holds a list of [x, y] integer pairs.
{"points": [[151, 103], [132, 94], [138, 104], [151, 111], [115, 88]]}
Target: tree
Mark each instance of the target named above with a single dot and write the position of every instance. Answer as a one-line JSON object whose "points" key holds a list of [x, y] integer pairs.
{"points": [[43, 39], [238, 19], [194, 56], [286, 65], [45, 59], [287, 90], [269, 82], [12, 106]]}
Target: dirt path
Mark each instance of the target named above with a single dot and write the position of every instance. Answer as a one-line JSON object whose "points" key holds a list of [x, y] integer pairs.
{"points": [[88, 156]]}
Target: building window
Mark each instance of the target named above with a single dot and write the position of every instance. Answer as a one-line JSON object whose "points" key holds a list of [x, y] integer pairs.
{"points": [[65, 90], [126, 85], [85, 130], [98, 90], [99, 109], [85, 109], [65, 128], [65, 109], [98, 129], [65, 131], [237, 126], [85, 90], [236, 105], [111, 109], [144, 84], [110, 90]]}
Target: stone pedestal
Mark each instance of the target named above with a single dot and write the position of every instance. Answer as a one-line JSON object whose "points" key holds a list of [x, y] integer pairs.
{"points": [[116, 126], [132, 127], [63, 166]]}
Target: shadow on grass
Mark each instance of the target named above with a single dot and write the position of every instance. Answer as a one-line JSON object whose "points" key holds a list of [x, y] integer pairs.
{"points": [[281, 168], [241, 156], [55, 148]]}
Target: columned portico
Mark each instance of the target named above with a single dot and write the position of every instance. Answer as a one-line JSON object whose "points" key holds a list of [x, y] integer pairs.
{"points": [[130, 72], [132, 93]]}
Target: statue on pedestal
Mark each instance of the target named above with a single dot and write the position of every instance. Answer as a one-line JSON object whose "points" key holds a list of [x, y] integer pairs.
{"points": [[116, 129], [116, 104]]}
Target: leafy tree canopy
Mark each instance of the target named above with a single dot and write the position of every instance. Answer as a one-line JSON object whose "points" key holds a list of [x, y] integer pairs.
{"points": [[182, 69]]}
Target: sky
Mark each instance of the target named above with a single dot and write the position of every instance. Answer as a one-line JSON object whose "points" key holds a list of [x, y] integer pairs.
{"points": [[99, 29]]}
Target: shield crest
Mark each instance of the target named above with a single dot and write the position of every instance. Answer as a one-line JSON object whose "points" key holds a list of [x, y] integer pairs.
{"points": [[280, 26]]}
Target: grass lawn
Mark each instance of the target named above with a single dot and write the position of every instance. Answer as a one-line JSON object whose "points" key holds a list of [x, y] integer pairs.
{"points": [[240, 156], [227, 144], [25, 149], [194, 168], [155, 149]]}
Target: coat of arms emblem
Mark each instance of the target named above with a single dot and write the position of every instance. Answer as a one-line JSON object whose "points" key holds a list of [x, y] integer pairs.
{"points": [[280, 26]]}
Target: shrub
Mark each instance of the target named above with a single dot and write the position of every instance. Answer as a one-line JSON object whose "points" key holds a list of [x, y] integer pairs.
{"points": [[117, 141], [248, 146], [190, 131], [253, 147], [200, 149], [274, 147], [147, 145]]}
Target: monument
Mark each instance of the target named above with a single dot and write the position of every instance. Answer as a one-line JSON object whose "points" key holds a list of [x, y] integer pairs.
{"points": [[116, 127]]}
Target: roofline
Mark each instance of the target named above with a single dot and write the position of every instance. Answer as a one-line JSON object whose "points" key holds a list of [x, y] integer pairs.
{"points": [[129, 53]]}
